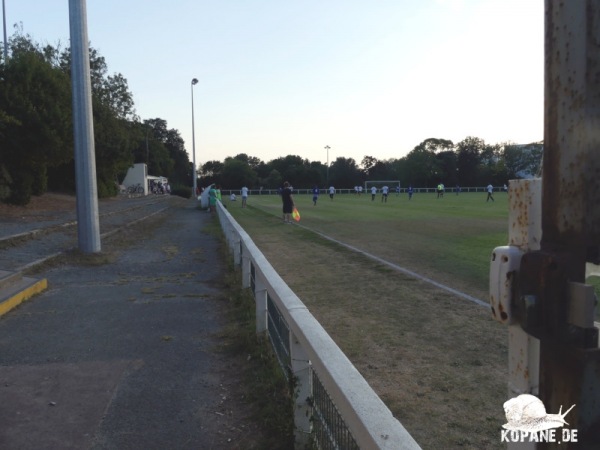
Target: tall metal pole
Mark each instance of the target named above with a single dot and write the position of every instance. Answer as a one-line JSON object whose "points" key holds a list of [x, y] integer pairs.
{"points": [[560, 308], [327, 148], [5, 40], [194, 82], [147, 147], [88, 226]]}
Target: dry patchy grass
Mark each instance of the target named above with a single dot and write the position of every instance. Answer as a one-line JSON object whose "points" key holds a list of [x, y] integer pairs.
{"points": [[437, 361]]}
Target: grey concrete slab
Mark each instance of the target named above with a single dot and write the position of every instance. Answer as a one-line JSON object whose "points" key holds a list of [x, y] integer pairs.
{"points": [[125, 355]]}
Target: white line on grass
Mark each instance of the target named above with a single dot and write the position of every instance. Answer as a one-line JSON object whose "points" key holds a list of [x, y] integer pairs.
{"points": [[403, 270]]}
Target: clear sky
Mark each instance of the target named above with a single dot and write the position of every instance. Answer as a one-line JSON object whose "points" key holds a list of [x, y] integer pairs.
{"points": [[279, 77]]}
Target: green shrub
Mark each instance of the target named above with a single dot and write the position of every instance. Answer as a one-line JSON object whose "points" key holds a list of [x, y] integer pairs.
{"points": [[106, 188], [182, 191], [21, 188], [40, 179], [5, 183]]}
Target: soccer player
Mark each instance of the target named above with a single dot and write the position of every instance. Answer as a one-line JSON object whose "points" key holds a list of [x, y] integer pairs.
{"points": [[490, 190], [244, 196], [384, 194], [315, 192]]}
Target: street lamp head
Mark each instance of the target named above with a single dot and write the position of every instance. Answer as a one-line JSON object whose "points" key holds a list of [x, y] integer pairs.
{"points": [[194, 80]]}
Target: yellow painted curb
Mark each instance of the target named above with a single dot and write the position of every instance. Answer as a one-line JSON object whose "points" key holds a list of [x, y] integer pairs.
{"points": [[20, 297]]}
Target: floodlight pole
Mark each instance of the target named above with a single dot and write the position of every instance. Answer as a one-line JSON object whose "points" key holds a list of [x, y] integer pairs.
{"points": [[5, 40], [327, 147], [88, 227], [195, 184]]}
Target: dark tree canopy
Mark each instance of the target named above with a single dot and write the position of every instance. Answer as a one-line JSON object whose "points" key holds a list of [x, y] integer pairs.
{"points": [[36, 126]]}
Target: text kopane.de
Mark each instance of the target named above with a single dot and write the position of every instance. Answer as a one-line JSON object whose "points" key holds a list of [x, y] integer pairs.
{"points": [[553, 435]]}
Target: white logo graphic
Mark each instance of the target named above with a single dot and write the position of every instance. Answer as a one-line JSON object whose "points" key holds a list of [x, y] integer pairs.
{"points": [[528, 421]]}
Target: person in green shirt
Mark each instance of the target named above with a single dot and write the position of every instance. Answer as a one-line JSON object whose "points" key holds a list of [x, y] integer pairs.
{"points": [[212, 198]]}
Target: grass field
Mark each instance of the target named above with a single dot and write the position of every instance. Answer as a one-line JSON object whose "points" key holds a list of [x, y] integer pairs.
{"points": [[449, 239], [438, 361]]}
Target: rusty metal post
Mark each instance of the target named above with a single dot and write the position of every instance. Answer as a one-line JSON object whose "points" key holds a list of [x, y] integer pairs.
{"points": [[553, 279]]}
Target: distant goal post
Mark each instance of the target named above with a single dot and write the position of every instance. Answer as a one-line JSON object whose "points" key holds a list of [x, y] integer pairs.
{"points": [[391, 184]]}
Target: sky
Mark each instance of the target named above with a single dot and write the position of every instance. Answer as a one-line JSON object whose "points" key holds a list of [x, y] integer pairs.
{"points": [[279, 77]]}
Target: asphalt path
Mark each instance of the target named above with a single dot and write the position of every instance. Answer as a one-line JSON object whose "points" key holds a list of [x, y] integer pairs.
{"points": [[125, 354]]}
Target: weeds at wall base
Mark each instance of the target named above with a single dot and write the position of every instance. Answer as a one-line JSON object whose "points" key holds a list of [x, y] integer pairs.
{"points": [[267, 389]]}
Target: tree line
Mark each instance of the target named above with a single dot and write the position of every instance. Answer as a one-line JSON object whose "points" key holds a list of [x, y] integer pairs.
{"points": [[470, 162], [36, 141], [36, 126]]}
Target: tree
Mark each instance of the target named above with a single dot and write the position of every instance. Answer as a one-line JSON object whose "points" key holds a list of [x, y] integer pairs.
{"points": [[447, 167], [237, 173], [37, 125], [37, 132], [164, 151], [292, 169], [468, 159], [422, 167], [431, 162], [211, 172], [436, 145], [523, 161], [113, 149], [114, 93], [274, 180], [367, 164], [344, 173]]}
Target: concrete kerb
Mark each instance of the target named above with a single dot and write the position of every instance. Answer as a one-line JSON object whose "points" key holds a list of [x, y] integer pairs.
{"points": [[12, 301]]}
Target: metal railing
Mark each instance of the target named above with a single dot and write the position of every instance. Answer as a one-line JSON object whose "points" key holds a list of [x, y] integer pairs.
{"points": [[335, 408]]}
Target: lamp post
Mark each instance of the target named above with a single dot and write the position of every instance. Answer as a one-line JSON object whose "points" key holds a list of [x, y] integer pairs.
{"points": [[5, 42], [327, 148], [194, 81], [88, 225]]}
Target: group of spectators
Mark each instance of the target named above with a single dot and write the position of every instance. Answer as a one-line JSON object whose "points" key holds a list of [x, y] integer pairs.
{"points": [[214, 194], [158, 187]]}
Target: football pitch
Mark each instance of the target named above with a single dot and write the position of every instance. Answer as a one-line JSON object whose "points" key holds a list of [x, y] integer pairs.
{"points": [[436, 359], [448, 239]]}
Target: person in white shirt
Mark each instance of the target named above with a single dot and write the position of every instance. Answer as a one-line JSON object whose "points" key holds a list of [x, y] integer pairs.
{"points": [[244, 196], [331, 192], [384, 194], [490, 190], [373, 193]]}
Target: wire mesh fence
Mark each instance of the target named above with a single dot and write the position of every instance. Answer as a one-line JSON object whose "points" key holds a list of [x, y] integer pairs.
{"points": [[279, 334], [329, 428]]}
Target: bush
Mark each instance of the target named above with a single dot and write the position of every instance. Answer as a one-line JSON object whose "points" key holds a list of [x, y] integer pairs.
{"points": [[182, 191], [5, 183], [106, 188], [21, 188], [40, 179]]}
